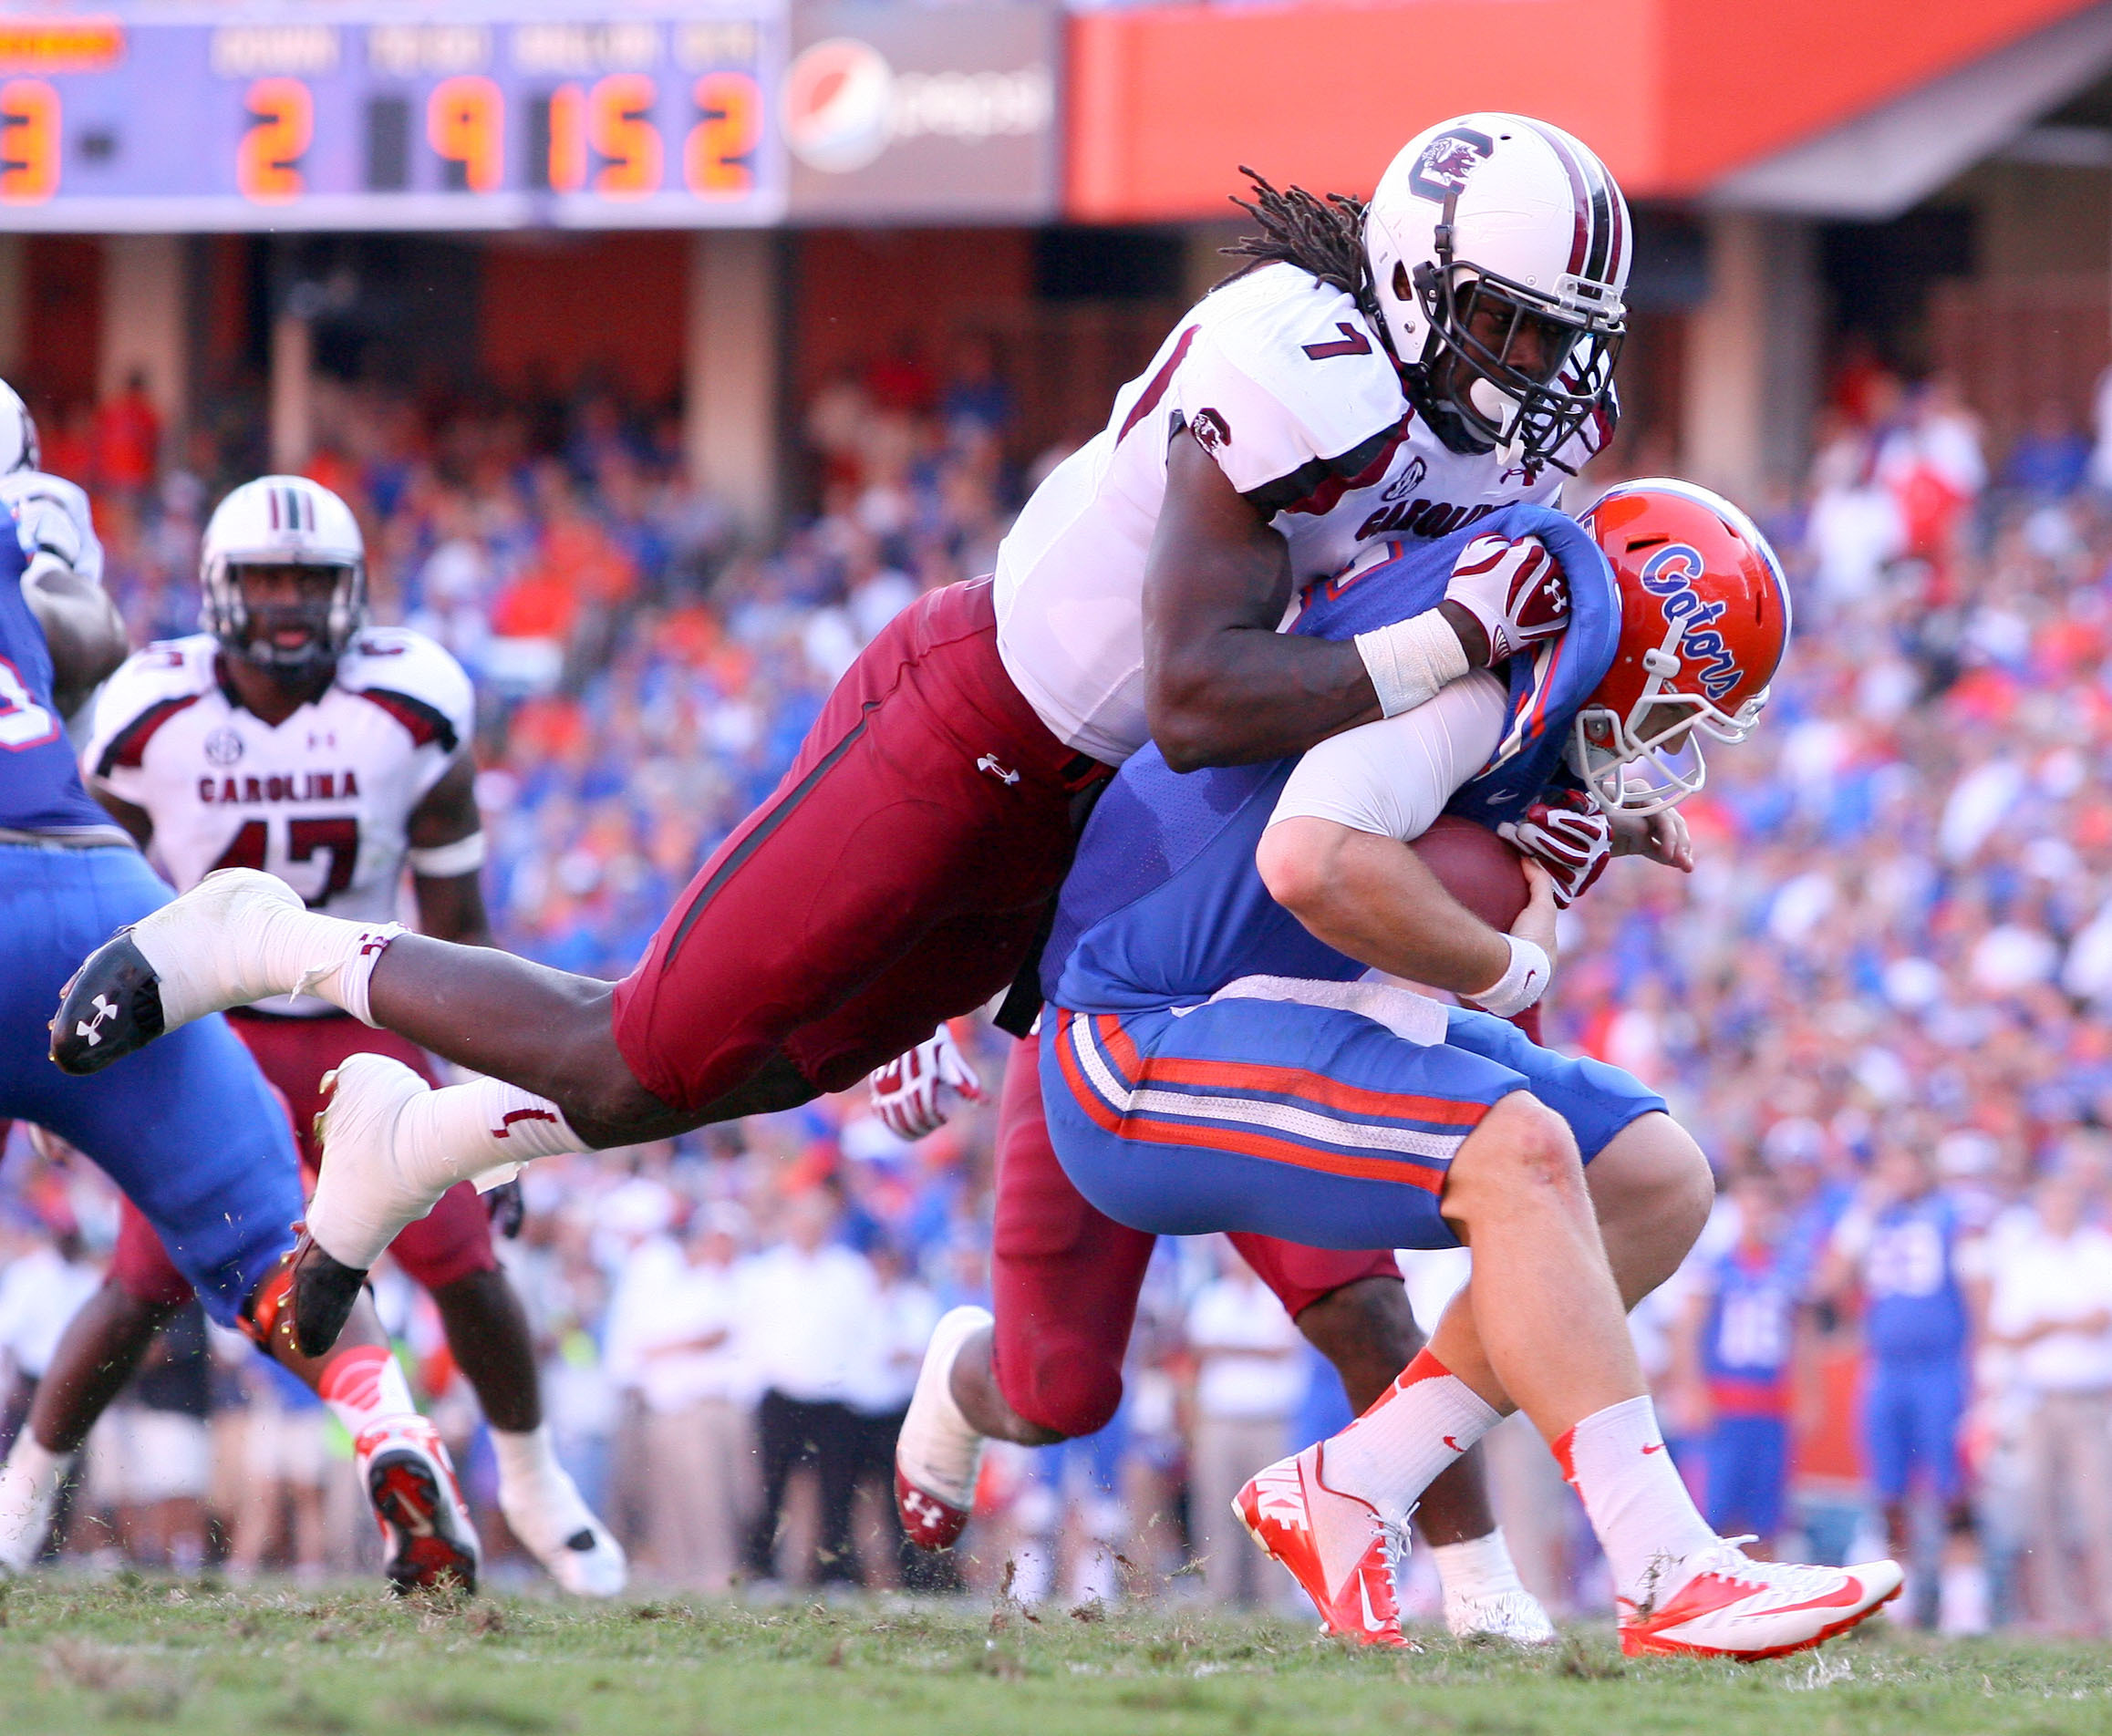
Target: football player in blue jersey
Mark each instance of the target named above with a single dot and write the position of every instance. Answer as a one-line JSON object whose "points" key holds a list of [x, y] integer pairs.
{"points": [[1737, 1336], [195, 1139], [1216, 1056], [1899, 1247]]}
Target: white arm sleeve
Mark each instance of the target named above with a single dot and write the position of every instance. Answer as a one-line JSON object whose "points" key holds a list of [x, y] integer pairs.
{"points": [[1393, 777]]}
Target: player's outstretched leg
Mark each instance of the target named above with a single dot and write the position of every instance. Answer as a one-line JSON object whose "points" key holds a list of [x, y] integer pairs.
{"points": [[1541, 1322], [391, 1145]]}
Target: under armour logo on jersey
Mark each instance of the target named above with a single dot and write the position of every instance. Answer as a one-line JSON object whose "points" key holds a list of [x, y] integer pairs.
{"points": [[93, 1028], [988, 763]]}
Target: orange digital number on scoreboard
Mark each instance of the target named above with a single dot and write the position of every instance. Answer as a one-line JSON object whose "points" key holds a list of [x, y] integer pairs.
{"points": [[465, 122], [715, 162], [267, 162], [567, 166], [29, 137], [620, 129]]}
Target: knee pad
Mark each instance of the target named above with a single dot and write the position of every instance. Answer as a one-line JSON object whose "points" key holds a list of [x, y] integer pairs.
{"points": [[1066, 1384]]}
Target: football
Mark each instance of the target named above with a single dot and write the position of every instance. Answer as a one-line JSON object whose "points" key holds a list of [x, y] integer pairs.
{"points": [[1476, 867]]}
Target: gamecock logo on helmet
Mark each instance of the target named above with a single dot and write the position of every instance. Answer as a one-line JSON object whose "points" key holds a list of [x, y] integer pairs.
{"points": [[1447, 160]]}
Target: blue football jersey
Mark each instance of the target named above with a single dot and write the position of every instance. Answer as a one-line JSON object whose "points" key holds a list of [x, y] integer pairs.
{"points": [[1163, 905], [1914, 1305], [1751, 1330], [40, 787]]}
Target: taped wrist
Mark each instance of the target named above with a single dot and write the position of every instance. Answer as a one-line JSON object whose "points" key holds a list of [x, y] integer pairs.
{"points": [[1522, 984], [1410, 660]]}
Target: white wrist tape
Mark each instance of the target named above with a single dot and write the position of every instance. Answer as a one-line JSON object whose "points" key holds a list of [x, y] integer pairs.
{"points": [[1410, 660], [1523, 984], [444, 862]]}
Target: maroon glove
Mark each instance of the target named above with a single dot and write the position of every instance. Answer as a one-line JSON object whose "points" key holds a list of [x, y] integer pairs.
{"points": [[1516, 590], [1568, 837]]}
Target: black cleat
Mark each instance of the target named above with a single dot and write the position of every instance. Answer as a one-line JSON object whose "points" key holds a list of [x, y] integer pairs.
{"points": [[112, 1006], [322, 1297]]}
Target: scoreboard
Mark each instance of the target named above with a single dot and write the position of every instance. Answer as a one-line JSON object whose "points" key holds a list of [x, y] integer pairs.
{"points": [[326, 118]]}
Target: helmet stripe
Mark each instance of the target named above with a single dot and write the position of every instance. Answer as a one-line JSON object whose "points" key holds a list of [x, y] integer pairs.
{"points": [[1579, 200], [1605, 233]]}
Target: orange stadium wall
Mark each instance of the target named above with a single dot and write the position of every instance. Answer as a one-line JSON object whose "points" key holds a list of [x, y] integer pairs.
{"points": [[606, 304], [1165, 103]]}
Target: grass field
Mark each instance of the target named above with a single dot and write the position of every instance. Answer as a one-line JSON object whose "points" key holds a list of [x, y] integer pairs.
{"points": [[169, 1655]]}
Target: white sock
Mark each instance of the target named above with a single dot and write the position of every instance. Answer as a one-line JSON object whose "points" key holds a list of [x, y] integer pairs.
{"points": [[1645, 1520], [1419, 1425], [463, 1132], [363, 1386], [29, 1484], [524, 1460], [1480, 1567], [284, 951]]}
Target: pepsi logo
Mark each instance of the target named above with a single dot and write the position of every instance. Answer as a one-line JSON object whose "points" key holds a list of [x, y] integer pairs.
{"points": [[839, 99]]}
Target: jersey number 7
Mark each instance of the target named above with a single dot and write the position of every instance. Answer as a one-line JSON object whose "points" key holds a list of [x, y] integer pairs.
{"points": [[251, 848]]}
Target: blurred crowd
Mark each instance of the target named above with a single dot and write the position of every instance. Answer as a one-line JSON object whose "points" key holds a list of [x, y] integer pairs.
{"points": [[1879, 1002]]}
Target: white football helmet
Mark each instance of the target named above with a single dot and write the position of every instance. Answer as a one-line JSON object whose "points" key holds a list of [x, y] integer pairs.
{"points": [[1495, 211], [17, 434], [283, 520]]}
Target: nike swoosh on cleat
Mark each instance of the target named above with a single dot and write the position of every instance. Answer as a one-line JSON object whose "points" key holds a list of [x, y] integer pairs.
{"points": [[1848, 1594], [1372, 1624], [1657, 1446]]}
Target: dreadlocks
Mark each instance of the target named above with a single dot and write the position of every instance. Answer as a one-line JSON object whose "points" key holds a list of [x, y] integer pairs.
{"points": [[1324, 236]]}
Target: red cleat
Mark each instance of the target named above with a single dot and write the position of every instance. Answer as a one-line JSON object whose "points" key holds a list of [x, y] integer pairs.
{"points": [[1334, 1545], [1730, 1606], [425, 1533]]}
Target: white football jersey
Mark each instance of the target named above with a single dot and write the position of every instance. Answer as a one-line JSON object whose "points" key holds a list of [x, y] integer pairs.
{"points": [[322, 801], [1287, 385]]}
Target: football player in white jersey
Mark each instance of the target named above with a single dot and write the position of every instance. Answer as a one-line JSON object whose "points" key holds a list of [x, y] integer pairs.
{"points": [[201, 1148], [292, 737], [1394, 370]]}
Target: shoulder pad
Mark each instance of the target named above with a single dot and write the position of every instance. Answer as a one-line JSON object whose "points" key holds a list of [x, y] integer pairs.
{"points": [[149, 687], [1289, 386], [414, 678]]}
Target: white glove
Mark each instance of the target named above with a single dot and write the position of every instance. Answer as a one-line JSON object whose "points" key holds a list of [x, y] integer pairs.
{"points": [[1567, 835], [1516, 590], [909, 1094]]}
